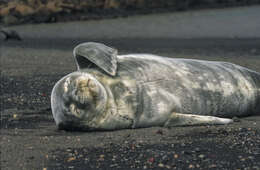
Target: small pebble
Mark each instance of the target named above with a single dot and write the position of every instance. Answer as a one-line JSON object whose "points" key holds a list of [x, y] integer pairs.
{"points": [[71, 159], [161, 165], [201, 156], [191, 166], [160, 132]]}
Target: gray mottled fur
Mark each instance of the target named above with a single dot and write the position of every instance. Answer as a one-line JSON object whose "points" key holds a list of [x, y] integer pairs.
{"points": [[145, 90]]}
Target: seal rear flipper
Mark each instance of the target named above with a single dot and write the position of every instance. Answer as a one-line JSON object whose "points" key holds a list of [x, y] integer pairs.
{"points": [[96, 54], [180, 119]]}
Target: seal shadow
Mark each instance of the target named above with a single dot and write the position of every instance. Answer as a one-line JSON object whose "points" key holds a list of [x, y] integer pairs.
{"points": [[26, 119]]}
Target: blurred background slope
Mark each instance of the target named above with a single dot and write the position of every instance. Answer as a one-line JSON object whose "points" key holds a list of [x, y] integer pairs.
{"points": [[39, 11]]}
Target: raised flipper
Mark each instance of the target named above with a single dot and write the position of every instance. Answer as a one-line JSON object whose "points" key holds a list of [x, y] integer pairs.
{"points": [[96, 55], [179, 119]]}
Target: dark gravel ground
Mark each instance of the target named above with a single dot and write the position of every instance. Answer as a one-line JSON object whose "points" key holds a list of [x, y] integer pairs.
{"points": [[200, 151], [30, 139]]}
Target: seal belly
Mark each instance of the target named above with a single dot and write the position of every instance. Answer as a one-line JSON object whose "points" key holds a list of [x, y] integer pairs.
{"points": [[190, 86]]}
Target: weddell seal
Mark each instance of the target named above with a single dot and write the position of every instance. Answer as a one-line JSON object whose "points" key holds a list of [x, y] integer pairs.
{"points": [[110, 91]]}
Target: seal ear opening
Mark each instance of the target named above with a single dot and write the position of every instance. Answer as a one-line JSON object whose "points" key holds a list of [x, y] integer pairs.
{"points": [[89, 55]]}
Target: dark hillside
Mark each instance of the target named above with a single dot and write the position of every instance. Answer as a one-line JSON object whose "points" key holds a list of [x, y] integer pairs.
{"points": [[39, 11]]}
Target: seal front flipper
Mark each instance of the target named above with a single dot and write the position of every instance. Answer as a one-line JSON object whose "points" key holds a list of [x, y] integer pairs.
{"points": [[180, 119], [96, 55]]}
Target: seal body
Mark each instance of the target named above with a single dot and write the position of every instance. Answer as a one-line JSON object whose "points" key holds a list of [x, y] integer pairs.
{"points": [[148, 89], [165, 85], [111, 91]]}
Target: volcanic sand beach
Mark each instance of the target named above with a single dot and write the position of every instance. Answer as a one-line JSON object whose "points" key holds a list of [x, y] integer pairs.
{"points": [[30, 68]]}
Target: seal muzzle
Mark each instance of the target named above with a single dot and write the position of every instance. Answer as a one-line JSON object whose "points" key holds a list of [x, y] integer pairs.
{"points": [[77, 100]]}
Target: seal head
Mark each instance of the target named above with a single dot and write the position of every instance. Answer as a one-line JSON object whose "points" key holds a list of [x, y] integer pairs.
{"points": [[78, 101]]}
